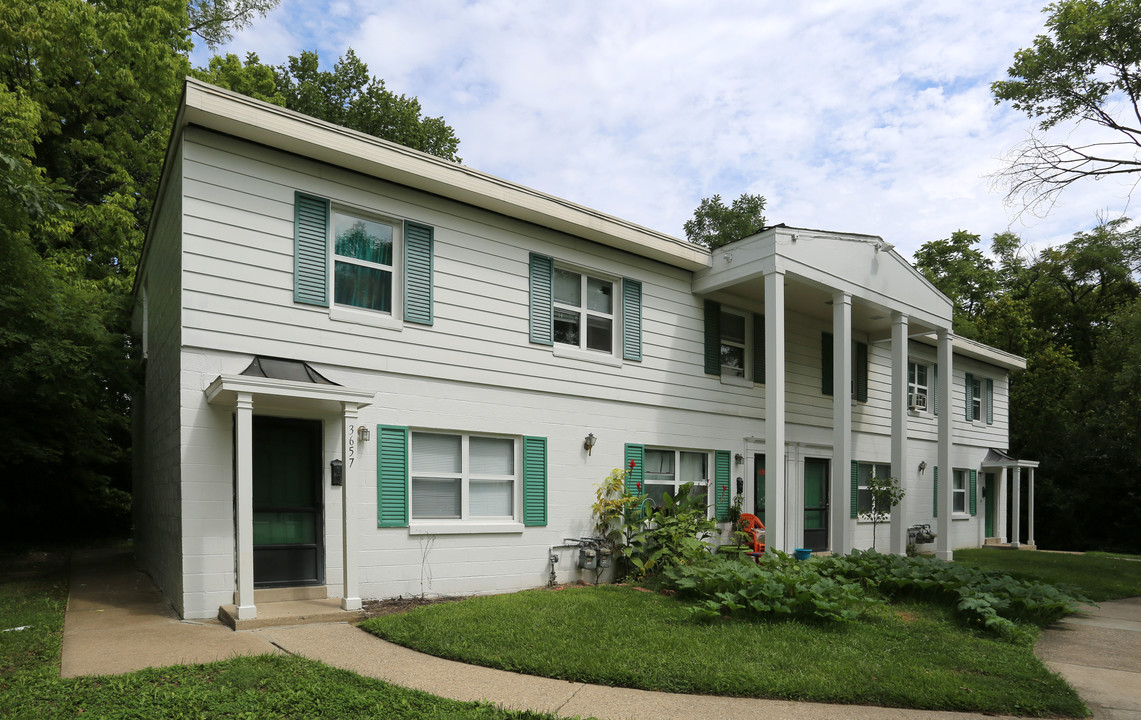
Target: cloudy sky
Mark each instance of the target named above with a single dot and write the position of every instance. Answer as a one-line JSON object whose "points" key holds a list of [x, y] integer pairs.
{"points": [[872, 116]]}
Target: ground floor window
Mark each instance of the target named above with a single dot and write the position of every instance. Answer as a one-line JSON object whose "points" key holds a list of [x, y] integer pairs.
{"points": [[462, 476], [865, 504], [959, 492], [667, 470]]}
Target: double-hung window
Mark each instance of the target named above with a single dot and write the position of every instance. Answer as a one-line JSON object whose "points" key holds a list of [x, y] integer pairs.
{"points": [[459, 476], [959, 492], [363, 262], [583, 311], [667, 470], [979, 399], [732, 343], [976, 409], [917, 387], [865, 503]]}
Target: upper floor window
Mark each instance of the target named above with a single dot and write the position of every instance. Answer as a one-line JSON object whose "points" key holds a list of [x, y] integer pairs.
{"points": [[363, 262], [979, 398], [976, 399], [733, 348], [583, 311], [667, 470], [917, 387], [462, 476]]}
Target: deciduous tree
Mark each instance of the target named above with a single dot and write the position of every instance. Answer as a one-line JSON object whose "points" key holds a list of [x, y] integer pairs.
{"points": [[713, 224]]}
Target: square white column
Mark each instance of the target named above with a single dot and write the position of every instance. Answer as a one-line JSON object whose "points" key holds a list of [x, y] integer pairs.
{"points": [[946, 473], [1016, 511], [899, 418], [1030, 512], [1000, 516], [244, 451], [840, 516], [350, 494], [775, 519]]}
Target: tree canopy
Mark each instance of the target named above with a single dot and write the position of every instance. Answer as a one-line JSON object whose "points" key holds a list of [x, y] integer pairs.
{"points": [[713, 224], [216, 20], [346, 96], [1085, 69]]}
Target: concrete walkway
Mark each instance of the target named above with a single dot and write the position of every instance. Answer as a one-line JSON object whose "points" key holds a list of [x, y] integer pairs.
{"points": [[117, 622]]}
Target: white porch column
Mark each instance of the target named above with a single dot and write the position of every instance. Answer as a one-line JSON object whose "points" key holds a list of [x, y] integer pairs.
{"points": [[899, 418], [244, 452], [775, 520], [840, 516], [350, 495], [946, 474], [1000, 516], [1030, 538], [1016, 515]]}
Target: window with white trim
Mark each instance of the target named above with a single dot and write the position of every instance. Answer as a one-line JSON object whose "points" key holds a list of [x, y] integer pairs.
{"points": [[460, 476], [917, 387], [733, 343], [364, 261], [667, 470], [865, 503], [959, 492], [583, 311]]}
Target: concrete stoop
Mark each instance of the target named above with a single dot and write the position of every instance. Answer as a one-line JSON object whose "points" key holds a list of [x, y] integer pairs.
{"points": [[290, 612]]}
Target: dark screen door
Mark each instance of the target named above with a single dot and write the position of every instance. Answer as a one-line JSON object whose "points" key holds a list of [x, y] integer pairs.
{"points": [[816, 504], [288, 548], [759, 485]]}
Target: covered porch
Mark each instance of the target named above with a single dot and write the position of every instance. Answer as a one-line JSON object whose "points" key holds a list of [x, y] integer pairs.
{"points": [[858, 287], [1010, 472], [290, 397]]}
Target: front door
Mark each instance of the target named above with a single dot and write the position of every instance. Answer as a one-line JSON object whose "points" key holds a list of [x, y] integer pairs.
{"points": [[759, 485], [816, 504], [288, 548]]}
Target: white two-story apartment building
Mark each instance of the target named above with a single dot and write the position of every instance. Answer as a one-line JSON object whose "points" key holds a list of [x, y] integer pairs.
{"points": [[374, 372]]}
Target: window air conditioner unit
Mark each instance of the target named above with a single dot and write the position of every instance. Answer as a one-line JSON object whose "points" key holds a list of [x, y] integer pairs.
{"points": [[917, 401]]}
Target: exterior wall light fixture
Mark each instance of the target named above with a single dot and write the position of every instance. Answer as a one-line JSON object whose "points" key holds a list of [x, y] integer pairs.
{"points": [[588, 443], [922, 466], [362, 433]]}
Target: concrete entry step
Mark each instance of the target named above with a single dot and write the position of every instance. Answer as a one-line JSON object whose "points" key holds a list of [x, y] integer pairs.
{"points": [[285, 594], [290, 612]]}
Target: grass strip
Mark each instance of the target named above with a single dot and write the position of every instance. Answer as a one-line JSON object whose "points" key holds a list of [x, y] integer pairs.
{"points": [[1097, 575], [33, 595], [901, 655]]}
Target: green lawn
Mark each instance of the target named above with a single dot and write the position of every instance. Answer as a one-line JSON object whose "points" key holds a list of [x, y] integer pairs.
{"points": [[33, 592], [1100, 576], [902, 655]]}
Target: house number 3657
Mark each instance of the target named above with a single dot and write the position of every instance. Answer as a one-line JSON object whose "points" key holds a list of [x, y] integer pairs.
{"points": [[352, 444]]}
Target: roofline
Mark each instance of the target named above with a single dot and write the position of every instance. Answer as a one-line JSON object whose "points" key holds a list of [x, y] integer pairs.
{"points": [[977, 350], [232, 113]]}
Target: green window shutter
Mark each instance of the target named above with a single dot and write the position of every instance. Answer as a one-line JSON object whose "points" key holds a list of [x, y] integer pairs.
{"points": [[758, 348], [534, 481], [418, 251], [631, 320], [637, 455], [721, 477], [989, 401], [935, 382], [310, 250], [392, 476], [935, 507], [712, 338], [861, 372], [826, 363], [974, 492], [970, 396], [542, 300], [854, 510]]}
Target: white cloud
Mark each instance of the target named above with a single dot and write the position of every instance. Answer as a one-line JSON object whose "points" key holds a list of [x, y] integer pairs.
{"points": [[872, 117]]}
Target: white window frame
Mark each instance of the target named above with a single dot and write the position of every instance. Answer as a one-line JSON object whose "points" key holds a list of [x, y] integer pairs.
{"points": [[585, 313], [728, 373], [978, 411], [862, 488], [960, 486], [353, 313], [466, 476], [676, 483], [914, 387]]}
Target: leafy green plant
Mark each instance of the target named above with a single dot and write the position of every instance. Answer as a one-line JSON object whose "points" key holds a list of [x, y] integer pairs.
{"points": [[673, 534], [886, 493], [611, 505]]}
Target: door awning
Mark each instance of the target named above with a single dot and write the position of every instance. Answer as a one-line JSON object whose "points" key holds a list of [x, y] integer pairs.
{"points": [[283, 379]]}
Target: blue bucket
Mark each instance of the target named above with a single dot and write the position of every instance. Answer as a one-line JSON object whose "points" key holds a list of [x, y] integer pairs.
{"points": [[802, 553]]}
